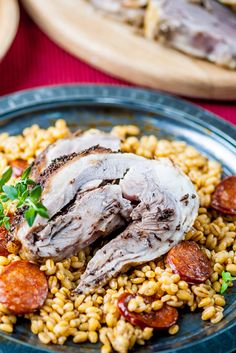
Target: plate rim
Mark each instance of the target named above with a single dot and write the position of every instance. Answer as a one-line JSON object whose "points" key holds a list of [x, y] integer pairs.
{"points": [[138, 98], [108, 94]]}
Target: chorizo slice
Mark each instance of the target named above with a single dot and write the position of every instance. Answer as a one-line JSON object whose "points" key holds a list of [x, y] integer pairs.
{"points": [[3, 241], [23, 287], [187, 259], [224, 197], [18, 167], [160, 319], [4, 238]]}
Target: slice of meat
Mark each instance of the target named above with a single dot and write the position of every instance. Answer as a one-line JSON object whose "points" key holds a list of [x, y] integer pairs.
{"points": [[93, 214], [68, 175], [23, 287], [158, 319], [224, 197], [152, 188], [18, 167], [76, 143], [166, 208], [205, 29], [187, 259]]}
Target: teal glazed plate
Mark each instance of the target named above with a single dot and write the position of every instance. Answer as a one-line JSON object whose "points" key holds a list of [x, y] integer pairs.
{"points": [[155, 113]]}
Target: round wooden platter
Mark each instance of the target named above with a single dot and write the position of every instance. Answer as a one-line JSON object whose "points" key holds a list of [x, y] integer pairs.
{"points": [[116, 49], [9, 19]]}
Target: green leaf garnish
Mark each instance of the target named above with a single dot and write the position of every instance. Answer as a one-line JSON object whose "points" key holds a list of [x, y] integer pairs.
{"points": [[30, 216], [22, 198], [4, 198], [35, 193], [42, 211], [6, 222], [5, 177], [4, 219], [30, 182], [25, 193], [10, 191], [226, 280], [26, 173]]}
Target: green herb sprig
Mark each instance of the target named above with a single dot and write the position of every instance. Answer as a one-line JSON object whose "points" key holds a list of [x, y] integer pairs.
{"points": [[226, 280], [25, 193]]}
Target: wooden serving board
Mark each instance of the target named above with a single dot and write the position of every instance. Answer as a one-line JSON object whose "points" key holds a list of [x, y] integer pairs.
{"points": [[114, 48], [9, 19]]}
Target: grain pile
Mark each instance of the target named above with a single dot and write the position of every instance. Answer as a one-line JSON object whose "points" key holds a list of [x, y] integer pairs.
{"points": [[96, 317]]}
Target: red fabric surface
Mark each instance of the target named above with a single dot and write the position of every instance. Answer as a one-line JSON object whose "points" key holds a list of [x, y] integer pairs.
{"points": [[34, 60]]}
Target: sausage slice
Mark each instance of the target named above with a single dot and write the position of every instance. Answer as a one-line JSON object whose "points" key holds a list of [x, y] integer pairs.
{"points": [[23, 287], [187, 259], [18, 167], [224, 197], [3, 241], [4, 238], [160, 319]]}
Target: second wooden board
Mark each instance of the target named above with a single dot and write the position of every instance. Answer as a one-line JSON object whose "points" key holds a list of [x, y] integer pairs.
{"points": [[9, 19], [114, 48]]}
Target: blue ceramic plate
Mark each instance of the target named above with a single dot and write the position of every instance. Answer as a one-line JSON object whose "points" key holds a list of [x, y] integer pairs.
{"points": [[154, 113]]}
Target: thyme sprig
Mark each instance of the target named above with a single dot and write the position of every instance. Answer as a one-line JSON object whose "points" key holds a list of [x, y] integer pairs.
{"points": [[25, 194], [226, 280]]}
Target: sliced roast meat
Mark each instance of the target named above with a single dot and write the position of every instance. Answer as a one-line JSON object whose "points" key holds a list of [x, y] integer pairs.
{"points": [[93, 214], [167, 207], [67, 176], [76, 143], [93, 193], [205, 29]]}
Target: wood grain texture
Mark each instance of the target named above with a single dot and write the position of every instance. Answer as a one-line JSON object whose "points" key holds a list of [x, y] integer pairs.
{"points": [[114, 48], [9, 19]]}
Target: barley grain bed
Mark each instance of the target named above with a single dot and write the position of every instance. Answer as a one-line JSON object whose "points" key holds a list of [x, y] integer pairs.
{"points": [[96, 317]]}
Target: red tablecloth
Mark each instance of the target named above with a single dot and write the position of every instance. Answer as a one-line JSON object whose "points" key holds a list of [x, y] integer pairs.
{"points": [[34, 60]]}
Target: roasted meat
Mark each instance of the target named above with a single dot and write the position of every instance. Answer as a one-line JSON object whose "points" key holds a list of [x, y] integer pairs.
{"points": [[93, 214], [76, 143], [202, 28], [166, 206], [96, 192], [63, 182]]}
